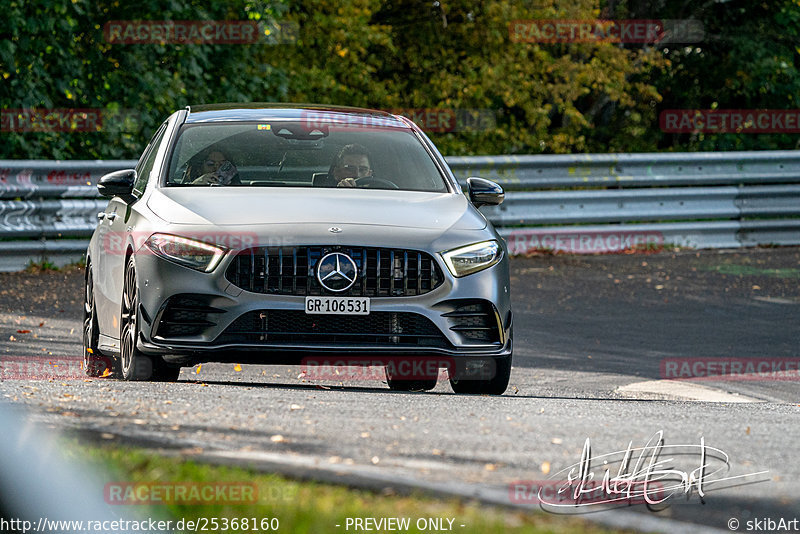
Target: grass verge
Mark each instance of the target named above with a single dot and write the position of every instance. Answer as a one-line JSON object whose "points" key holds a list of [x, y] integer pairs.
{"points": [[299, 506]]}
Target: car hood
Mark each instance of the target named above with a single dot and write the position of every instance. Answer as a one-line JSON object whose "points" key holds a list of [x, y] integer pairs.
{"points": [[249, 206]]}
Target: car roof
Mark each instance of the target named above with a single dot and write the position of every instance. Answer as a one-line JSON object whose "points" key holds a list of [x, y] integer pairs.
{"points": [[258, 111]]}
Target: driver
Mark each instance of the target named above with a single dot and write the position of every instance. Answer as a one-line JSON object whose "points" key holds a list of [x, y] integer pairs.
{"points": [[351, 163]]}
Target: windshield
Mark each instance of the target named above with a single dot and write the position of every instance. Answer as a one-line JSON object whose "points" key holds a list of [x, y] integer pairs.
{"points": [[293, 154]]}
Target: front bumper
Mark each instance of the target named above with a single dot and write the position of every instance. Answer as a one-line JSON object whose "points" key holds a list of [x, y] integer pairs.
{"points": [[160, 281]]}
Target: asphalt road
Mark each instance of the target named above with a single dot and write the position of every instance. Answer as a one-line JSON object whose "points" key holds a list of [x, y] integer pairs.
{"points": [[593, 338]]}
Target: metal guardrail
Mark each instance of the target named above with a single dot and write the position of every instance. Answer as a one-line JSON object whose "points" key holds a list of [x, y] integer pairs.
{"points": [[581, 203], [519, 173]]}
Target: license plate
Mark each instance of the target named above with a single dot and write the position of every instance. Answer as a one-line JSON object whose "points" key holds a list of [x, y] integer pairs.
{"points": [[337, 305]]}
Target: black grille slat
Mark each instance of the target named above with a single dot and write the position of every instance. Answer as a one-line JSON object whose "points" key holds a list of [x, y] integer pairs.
{"points": [[392, 273], [297, 327], [252, 268], [405, 273], [186, 315], [266, 271], [378, 272], [364, 271], [280, 270], [292, 271], [475, 320], [419, 273]]}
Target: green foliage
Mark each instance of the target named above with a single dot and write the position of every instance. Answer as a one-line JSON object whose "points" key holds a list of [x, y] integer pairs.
{"points": [[407, 54], [748, 59]]}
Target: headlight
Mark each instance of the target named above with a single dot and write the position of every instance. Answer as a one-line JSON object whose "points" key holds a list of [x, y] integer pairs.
{"points": [[187, 252], [472, 258]]}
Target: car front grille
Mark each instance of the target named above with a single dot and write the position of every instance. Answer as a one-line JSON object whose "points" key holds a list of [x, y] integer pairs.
{"points": [[296, 327], [381, 272]]}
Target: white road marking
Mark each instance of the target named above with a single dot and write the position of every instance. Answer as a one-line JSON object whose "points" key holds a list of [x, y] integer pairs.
{"points": [[681, 390]]}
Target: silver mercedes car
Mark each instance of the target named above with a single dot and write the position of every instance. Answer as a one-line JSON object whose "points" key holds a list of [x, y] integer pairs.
{"points": [[303, 235]]}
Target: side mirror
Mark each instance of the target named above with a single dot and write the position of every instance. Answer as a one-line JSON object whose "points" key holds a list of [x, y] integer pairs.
{"points": [[483, 192], [117, 184]]}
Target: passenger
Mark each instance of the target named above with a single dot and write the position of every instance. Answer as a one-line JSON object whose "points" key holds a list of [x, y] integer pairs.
{"points": [[214, 169]]}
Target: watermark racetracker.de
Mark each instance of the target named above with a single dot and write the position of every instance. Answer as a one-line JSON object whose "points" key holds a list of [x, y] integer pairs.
{"points": [[741, 121], [184, 493], [69, 120], [199, 32], [583, 242], [447, 120], [643, 31], [49, 367], [751, 369]]}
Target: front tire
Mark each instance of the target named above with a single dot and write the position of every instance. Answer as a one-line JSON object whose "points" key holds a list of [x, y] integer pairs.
{"points": [[163, 372], [134, 365], [94, 364], [399, 382], [463, 382]]}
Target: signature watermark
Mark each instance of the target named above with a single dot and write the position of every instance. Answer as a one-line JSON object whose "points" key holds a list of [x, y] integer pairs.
{"points": [[548, 491], [639, 475]]}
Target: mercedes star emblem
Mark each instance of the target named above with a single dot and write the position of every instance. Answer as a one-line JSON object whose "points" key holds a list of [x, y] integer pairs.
{"points": [[336, 272]]}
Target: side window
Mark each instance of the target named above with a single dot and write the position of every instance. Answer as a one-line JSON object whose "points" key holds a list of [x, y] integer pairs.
{"points": [[146, 164]]}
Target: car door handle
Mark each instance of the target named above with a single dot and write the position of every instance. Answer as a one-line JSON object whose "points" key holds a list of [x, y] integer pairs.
{"points": [[111, 216], [101, 216]]}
